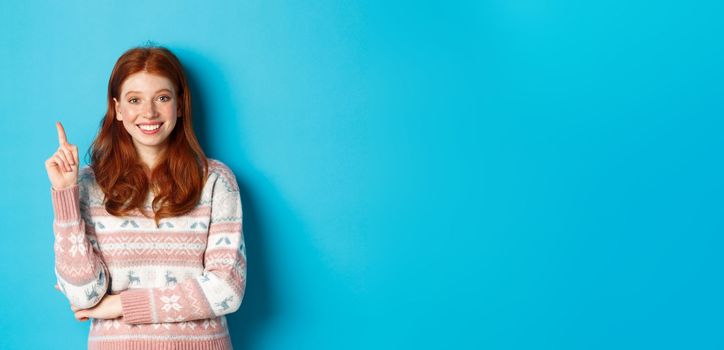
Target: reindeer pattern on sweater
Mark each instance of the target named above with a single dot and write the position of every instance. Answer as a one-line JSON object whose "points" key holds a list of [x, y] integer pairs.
{"points": [[177, 280]]}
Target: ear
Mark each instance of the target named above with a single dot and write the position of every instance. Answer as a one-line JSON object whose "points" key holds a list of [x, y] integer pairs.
{"points": [[118, 112]]}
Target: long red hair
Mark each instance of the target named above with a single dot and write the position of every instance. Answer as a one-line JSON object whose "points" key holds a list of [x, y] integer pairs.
{"points": [[179, 175]]}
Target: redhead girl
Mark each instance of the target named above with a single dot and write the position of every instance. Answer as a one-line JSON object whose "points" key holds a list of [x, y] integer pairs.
{"points": [[148, 236]]}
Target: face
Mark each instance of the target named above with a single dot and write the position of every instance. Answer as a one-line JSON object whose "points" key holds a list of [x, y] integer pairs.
{"points": [[148, 108]]}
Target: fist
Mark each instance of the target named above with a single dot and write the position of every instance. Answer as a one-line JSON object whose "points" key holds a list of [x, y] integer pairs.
{"points": [[62, 166]]}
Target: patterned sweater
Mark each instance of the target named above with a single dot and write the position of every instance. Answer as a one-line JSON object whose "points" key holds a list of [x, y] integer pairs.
{"points": [[176, 281]]}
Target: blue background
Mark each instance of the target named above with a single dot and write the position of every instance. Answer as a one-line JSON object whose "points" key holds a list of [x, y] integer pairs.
{"points": [[476, 174]]}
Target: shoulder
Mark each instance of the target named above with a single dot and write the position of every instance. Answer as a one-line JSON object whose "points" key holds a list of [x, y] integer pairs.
{"points": [[90, 192], [85, 173], [222, 175], [86, 178]]}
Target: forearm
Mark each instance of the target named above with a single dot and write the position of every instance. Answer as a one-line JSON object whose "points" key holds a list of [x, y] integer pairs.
{"points": [[219, 291], [82, 275], [109, 308], [84, 295]]}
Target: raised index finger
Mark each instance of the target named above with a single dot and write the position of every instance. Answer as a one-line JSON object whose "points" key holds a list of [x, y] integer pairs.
{"points": [[61, 134]]}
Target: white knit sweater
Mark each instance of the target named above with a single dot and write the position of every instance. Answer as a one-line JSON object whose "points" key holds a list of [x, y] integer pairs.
{"points": [[176, 281]]}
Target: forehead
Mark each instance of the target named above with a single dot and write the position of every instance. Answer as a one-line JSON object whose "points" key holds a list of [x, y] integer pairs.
{"points": [[146, 82]]}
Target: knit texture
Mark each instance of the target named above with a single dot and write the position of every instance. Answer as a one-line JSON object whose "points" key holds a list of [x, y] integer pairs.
{"points": [[176, 281]]}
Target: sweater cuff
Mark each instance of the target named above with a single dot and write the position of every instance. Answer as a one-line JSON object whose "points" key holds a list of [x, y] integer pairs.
{"points": [[136, 304], [66, 203]]}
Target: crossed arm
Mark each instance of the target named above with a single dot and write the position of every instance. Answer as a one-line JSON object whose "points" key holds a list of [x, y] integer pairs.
{"points": [[219, 290]]}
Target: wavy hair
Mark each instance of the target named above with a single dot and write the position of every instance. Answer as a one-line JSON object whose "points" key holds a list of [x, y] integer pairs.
{"points": [[179, 175]]}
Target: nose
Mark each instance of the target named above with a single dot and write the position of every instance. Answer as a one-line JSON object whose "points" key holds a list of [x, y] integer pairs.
{"points": [[149, 110]]}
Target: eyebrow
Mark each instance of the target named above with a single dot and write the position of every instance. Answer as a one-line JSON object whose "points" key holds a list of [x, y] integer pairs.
{"points": [[139, 92]]}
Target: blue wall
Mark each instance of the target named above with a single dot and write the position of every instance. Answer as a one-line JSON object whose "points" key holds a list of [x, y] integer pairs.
{"points": [[502, 174]]}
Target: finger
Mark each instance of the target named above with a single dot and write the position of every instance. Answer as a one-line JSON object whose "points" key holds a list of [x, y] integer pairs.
{"points": [[68, 155], [81, 316], [51, 162], [62, 140], [55, 161], [74, 148], [66, 164], [62, 163], [56, 287], [67, 158]]}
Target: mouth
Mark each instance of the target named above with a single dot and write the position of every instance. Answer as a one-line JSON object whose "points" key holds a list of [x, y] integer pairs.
{"points": [[149, 128]]}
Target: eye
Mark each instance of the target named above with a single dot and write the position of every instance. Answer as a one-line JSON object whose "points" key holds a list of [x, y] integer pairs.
{"points": [[165, 98], [132, 100]]}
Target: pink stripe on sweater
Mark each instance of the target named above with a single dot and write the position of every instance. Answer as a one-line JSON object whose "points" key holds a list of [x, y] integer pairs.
{"points": [[206, 279]]}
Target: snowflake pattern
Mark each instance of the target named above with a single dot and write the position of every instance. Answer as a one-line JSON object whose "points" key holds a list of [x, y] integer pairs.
{"points": [[58, 246], [77, 244], [209, 323], [191, 325], [170, 303], [174, 320], [107, 324], [164, 325]]}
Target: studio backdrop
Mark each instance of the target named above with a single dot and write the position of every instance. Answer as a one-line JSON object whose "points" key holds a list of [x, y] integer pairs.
{"points": [[504, 174]]}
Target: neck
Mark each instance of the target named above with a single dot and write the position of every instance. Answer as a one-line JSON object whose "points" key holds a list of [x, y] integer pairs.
{"points": [[150, 155]]}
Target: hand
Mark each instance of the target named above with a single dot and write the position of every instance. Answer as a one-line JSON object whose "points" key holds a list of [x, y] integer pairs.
{"points": [[110, 307], [62, 166], [72, 307]]}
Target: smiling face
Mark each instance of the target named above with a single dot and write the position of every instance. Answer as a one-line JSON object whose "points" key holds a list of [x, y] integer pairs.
{"points": [[148, 108]]}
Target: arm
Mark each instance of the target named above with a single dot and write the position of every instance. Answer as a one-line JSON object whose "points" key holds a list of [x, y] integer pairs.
{"points": [[219, 289], [82, 275]]}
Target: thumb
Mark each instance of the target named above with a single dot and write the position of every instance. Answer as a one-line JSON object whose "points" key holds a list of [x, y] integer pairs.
{"points": [[81, 315]]}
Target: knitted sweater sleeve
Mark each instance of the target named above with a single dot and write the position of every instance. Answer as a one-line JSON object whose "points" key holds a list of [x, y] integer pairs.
{"points": [[81, 273], [219, 290]]}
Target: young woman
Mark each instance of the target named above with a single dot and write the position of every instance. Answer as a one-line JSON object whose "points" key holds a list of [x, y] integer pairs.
{"points": [[148, 237]]}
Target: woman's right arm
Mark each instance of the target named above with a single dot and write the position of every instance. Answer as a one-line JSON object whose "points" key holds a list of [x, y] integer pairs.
{"points": [[82, 275]]}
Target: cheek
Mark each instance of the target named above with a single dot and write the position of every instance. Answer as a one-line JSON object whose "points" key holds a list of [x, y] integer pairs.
{"points": [[129, 125], [169, 109], [128, 112]]}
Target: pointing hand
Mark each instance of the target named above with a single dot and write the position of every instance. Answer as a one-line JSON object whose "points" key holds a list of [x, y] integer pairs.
{"points": [[62, 166]]}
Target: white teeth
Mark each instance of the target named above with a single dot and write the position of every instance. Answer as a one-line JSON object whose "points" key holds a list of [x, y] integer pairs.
{"points": [[150, 127]]}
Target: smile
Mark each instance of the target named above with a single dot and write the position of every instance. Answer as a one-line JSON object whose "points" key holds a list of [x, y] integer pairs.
{"points": [[150, 129]]}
